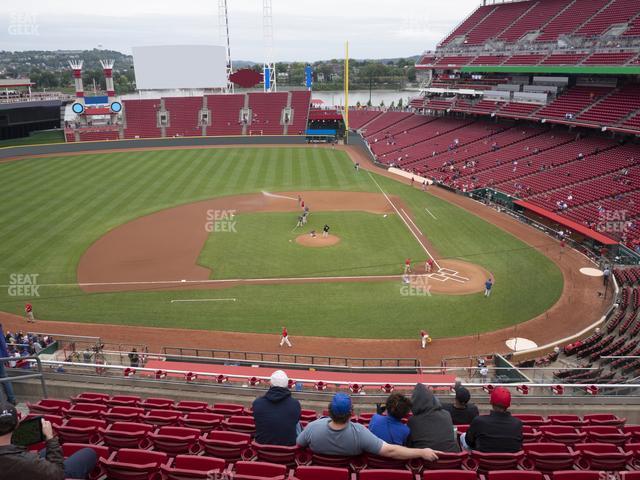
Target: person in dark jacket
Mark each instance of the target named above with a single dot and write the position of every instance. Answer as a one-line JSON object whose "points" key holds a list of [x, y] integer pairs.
{"points": [[277, 413], [430, 425], [462, 412], [17, 463], [497, 432]]}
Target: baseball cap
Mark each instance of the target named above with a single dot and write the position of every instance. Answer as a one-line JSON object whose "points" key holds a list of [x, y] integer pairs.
{"points": [[279, 379], [340, 404], [8, 418], [501, 397], [462, 395]]}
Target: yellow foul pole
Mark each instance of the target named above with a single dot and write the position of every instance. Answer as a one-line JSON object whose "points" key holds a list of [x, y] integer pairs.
{"points": [[346, 92]]}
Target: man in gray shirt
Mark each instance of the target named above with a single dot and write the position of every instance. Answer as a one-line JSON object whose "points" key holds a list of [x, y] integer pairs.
{"points": [[338, 435]]}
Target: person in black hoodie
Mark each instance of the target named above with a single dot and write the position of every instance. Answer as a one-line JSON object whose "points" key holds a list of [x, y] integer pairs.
{"points": [[430, 425], [17, 463], [277, 413]]}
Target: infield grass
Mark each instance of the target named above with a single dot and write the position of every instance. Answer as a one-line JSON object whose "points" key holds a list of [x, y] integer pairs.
{"points": [[52, 209]]}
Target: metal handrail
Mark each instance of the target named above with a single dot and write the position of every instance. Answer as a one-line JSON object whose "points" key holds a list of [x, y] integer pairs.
{"points": [[24, 376]]}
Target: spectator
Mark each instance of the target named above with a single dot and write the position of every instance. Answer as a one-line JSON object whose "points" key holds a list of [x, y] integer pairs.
{"points": [[17, 463], [497, 432], [462, 412], [277, 414], [430, 425], [338, 435], [134, 358], [389, 427]]}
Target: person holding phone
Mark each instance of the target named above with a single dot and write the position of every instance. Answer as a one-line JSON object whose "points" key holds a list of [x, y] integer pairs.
{"points": [[19, 464]]}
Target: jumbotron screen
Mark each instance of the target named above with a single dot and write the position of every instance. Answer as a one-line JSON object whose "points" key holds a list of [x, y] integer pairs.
{"points": [[171, 67]]}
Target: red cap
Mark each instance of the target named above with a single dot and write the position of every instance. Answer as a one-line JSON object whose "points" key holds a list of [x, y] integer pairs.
{"points": [[501, 397]]}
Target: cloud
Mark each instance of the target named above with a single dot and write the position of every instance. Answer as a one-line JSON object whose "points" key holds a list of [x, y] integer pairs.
{"points": [[303, 30]]}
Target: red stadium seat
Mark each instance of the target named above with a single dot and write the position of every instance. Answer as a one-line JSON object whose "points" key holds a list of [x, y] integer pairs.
{"points": [[385, 474], [87, 410], [602, 456], [125, 435], [548, 457], [123, 414], [50, 406], [175, 440], [514, 475], [187, 406], [124, 401], [203, 421], [227, 409], [240, 424], [384, 463], [91, 397], [192, 467], [129, 464], [449, 475], [604, 419], [227, 445], [567, 420], [562, 434], [262, 470], [606, 435], [308, 472], [446, 461], [577, 475], [308, 415], [273, 454], [634, 448], [533, 420], [161, 418], [69, 449], [80, 430], [365, 418], [157, 403], [634, 430], [486, 462], [530, 435], [355, 463]]}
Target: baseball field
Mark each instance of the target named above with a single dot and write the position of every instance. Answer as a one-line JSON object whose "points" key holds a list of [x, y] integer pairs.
{"points": [[207, 239]]}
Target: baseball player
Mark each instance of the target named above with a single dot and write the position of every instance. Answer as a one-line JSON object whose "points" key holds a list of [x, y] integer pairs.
{"points": [[407, 265], [28, 313], [325, 231], [285, 338], [488, 285], [424, 336], [300, 221], [428, 265]]}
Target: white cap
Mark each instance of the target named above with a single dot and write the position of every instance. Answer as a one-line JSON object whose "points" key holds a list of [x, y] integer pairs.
{"points": [[279, 379]]}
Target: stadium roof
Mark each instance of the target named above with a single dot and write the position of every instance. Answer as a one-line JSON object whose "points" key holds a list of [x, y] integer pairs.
{"points": [[577, 227]]}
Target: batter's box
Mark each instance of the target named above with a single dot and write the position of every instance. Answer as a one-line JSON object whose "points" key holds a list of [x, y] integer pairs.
{"points": [[447, 271], [437, 276]]}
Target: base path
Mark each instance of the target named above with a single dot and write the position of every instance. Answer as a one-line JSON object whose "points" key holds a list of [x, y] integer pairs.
{"points": [[577, 308]]}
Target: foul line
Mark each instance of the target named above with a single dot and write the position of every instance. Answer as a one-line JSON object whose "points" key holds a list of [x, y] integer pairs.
{"points": [[206, 300], [404, 220], [429, 212]]}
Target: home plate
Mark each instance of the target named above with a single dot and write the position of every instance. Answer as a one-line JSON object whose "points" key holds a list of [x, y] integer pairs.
{"points": [[591, 272], [518, 344]]}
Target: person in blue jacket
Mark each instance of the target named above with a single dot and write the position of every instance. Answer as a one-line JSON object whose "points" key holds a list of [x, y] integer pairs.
{"points": [[277, 413]]}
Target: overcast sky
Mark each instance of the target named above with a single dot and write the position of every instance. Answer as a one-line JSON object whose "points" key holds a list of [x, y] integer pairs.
{"points": [[304, 30]]}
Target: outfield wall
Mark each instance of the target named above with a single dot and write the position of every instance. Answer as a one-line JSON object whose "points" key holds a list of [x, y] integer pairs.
{"points": [[62, 148]]}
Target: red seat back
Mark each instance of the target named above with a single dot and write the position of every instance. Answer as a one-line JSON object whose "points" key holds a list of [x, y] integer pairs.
{"points": [[227, 445], [315, 472], [259, 469], [385, 474], [449, 475], [514, 475], [496, 461]]}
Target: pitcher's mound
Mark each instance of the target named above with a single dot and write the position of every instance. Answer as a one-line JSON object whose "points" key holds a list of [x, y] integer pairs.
{"points": [[317, 241]]}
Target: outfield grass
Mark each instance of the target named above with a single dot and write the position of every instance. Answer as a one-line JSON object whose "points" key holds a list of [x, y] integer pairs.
{"points": [[369, 245], [36, 138], [52, 209]]}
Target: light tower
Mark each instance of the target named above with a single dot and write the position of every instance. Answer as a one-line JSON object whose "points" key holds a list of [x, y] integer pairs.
{"points": [[76, 65], [269, 67], [223, 28], [107, 68]]}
